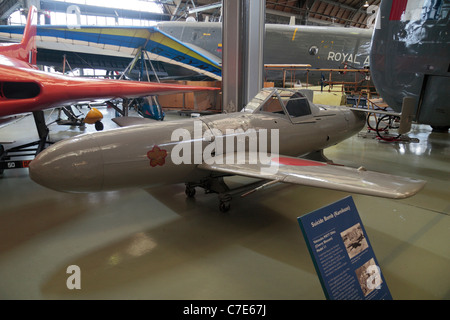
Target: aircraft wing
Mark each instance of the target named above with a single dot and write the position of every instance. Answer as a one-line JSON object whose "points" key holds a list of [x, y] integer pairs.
{"points": [[319, 174], [132, 121], [120, 41]]}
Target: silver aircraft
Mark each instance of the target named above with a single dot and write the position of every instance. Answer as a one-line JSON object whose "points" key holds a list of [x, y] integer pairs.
{"points": [[277, 137]]}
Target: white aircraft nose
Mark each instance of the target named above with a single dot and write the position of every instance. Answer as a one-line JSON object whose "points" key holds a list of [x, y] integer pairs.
{"points": [[74, 165]]}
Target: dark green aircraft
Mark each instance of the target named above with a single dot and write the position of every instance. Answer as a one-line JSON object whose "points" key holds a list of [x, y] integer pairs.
{"points": [[320, 47], [410, 59]]}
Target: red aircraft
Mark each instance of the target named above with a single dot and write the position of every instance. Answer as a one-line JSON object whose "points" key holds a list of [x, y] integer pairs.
{"points": [[24, 88]]}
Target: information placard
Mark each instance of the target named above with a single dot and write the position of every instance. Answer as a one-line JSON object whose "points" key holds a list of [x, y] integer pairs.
{"points": [[342, 254]]}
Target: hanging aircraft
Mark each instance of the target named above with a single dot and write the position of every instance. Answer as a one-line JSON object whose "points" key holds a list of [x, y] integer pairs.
{"points": [[25, 89], [264, 141], [410, 59], [197, 46]]}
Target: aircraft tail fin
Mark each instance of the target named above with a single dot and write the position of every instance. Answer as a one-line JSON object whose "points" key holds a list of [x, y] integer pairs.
{"points": [[25, 50], [29, 36]]}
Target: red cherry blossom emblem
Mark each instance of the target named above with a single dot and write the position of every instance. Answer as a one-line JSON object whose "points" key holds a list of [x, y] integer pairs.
{"points": [[157, 156]]}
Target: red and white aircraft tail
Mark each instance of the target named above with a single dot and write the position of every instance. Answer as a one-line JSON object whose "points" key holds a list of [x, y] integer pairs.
{"points": [[25, 50]]}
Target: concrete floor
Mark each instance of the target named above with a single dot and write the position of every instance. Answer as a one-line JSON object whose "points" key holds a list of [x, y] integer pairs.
{"points": [[157, 244]]}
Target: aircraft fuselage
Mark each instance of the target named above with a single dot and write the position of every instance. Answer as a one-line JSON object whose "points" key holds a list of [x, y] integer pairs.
{"points": [[321, 47], [410, 59], [170, 151]]}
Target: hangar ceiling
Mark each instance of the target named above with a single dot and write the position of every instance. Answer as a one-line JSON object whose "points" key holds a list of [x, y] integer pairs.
{"points": [[344, 13], [348, 13]]}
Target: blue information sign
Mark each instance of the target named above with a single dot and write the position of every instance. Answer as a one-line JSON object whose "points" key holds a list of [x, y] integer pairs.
{"points": [[342, 254]]}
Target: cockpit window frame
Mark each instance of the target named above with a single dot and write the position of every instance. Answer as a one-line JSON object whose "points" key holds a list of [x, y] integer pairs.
{"points": [[249, 107], [301, 117], [274, 95], [283, 99]]}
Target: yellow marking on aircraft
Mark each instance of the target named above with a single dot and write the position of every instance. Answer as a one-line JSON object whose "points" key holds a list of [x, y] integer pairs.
{"points": [[166, 41], [137, 33], [146, 34], [293, 36]]}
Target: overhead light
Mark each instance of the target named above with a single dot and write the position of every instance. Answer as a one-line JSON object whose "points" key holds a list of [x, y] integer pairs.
{"points": [[366, 4]]}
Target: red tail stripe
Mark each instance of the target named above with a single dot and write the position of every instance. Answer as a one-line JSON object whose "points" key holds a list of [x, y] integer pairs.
{"points": [[397, 9]]}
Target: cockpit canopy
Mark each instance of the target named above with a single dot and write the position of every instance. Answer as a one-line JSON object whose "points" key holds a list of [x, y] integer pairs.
{"points": [[288, 103]]}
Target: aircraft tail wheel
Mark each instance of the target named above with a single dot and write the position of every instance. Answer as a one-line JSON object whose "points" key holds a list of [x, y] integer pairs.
{"points": [[99, 126]]}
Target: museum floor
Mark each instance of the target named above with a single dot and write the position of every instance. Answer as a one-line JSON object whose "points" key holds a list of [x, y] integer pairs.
{"points": [[157, 244]]}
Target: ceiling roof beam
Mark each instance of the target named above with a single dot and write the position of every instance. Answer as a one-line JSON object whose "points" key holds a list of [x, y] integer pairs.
{"points": [[297, 16], [342, 5], [205, 7], [57, 6], [8, 7]]}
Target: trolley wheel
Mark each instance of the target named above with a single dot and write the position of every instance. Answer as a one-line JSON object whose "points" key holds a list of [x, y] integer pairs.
{"points": [[373, 121], [387, 128], [99, 126]]}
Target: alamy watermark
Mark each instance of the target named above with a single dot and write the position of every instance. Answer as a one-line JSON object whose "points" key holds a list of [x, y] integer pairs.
{"points": [[73, 9], [234, 146], [74, 280]]}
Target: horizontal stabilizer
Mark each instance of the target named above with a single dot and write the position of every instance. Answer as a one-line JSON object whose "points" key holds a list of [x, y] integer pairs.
{"points": [[5, 121], [132, 121], [391, 113]]}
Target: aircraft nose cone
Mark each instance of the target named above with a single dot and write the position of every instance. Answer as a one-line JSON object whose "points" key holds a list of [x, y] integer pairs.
{"points": [[73, 165]]}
